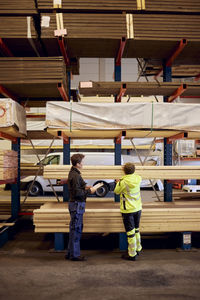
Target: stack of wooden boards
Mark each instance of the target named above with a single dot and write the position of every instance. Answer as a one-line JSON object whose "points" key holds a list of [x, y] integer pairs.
{"points": [[136, 89], [121, 5], [8, 164], [148, 35], [20, 7], [12, 118], [115, 172], [106, 217], [151, 67], [33, 77]]}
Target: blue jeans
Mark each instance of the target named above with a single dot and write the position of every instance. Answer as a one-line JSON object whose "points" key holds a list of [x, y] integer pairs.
{"points": [[76, 210]]}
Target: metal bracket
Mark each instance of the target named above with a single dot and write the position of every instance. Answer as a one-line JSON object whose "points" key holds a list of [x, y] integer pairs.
{"points": [[179, 136], [7, 93], [182, 88], [62, 91], [121, 93], [172, 57], [120, 51], [4, 49], [61, 44]]}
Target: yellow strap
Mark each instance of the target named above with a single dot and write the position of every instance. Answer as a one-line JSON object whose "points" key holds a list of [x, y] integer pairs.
{"points": [[139, 4], [143, 4], [57, 3], [127, 26]]}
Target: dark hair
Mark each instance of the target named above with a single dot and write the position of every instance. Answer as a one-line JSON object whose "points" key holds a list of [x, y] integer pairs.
{"points": [[77, 159], [129, 168]]}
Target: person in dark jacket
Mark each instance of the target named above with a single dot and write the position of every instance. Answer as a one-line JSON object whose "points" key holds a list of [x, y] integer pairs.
{"points": [[78, 192]]}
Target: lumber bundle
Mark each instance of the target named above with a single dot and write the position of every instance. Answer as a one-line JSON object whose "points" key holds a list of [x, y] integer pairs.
{"points": [[12, 118], [115, 172], [8, 164], [33, 77], [120, 5], [102, 117], [172, 6], [98, 35], [106, 217], [21, 7], [190, 68], [157, 35], [136, 89], [88, 35], [20, 36]]}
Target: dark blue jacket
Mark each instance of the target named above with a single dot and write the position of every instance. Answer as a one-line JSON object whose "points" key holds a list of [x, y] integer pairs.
{"points": [[76, 186]]}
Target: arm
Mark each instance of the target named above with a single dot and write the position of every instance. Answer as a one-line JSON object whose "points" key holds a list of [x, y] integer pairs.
{"points": [[77, 186], [119, 187]]}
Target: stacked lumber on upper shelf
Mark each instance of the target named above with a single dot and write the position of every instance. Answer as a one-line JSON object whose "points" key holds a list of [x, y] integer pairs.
{"points": [[8, 164], [190, 68], [106, 217], [20, 36], [136, 89], [21, 7], [98, 35], [12, 118], [120, 5], [106, 118], [88, 35], [33, 77], [113, 172]]}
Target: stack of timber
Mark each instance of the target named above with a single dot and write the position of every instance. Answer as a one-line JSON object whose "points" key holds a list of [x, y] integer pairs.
{"points": [[8, 164], [98, 35], [34, 77], [120, 5], [81, 5], [12, 118], [156, 35], [106, 120], [112, 172], [32, 203], [136, 89], [190, 68], [20, 36], [88, 35], [20, 7], [106, 217]]}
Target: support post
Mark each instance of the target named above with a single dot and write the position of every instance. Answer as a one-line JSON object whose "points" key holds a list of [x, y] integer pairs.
{"points": [[118, 147], [186, 241], [66, 161], [15, 188], [59, 241], [167, 77]]}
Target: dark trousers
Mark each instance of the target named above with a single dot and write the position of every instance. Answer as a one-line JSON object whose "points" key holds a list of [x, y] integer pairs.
{"points": [[76, 210], [131, 220]]}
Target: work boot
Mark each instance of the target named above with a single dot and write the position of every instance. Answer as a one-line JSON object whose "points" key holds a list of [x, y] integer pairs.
{"points": [[127, 257], [67, 256], [78, 258]]}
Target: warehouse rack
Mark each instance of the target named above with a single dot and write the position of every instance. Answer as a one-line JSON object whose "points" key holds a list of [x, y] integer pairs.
{"points": [[117, 140]]}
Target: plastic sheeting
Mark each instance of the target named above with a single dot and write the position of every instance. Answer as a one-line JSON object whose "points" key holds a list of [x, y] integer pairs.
{"points": [[123, 116], [12, 114]]}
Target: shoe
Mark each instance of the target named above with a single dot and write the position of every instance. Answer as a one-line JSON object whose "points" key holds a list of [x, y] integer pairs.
{"points": [[127, 257], [78, 258], [67, 256]]}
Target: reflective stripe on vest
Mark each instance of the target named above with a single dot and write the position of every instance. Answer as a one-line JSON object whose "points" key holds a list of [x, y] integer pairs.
{"points": [[132, 196]]}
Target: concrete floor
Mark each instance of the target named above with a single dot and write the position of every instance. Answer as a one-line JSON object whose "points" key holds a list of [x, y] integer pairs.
{"points": [[30, 271]]}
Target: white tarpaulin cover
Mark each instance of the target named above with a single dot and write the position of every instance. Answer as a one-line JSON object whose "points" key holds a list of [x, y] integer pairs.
{"points": [[12, 114], [108, 116]]}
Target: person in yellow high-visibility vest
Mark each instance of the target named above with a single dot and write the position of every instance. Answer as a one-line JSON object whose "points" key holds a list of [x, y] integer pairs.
{"points": [[128, 187]]}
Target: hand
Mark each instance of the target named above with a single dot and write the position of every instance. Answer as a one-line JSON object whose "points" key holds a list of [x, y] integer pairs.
{"points": [[117, 180], [93, 190], [88, 187]]}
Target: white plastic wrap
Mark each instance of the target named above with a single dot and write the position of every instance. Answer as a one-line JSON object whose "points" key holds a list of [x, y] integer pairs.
{"points": [[108, 116], [12, 114]]}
